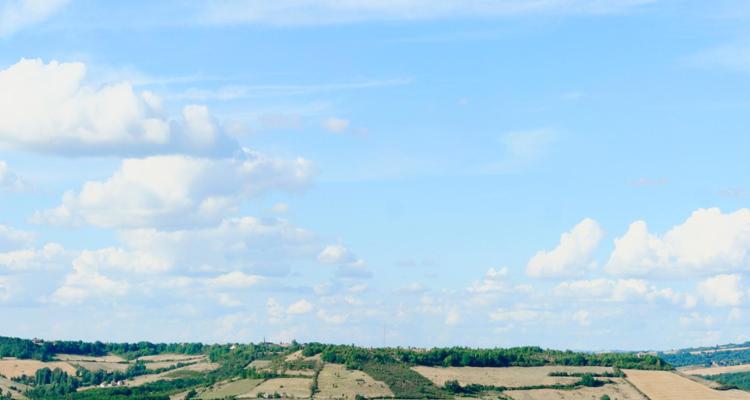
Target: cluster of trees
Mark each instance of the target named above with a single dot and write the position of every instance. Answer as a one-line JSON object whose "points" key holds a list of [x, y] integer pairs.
{"points": [[453, 386], [46, 350], [734, 380], [724, 357], [353, 356], [46, 382], [5, 395]]}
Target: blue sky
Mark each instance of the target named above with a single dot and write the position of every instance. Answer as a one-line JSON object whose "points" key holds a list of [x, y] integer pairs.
{"points": [[568, 174]]}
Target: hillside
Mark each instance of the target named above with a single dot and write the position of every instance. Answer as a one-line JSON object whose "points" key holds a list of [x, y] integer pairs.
{"points": [[79, 370]]}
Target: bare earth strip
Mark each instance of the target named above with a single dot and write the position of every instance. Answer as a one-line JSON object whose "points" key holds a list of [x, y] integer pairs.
{"points": [[665, 385], [230, 388], [11, 367], [620, 390], [110, 358], [168, 375], [94, 366], [5, 384], [291, 388], [507, 377], [337, 382], [172, 357], [717, 370]]}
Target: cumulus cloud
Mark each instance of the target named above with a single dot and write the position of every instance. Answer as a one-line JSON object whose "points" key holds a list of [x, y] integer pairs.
{"points": [[9, 180], [572, 256], [708, 241], [722, 290], [48, 108], [261, 246], [16, 15], [176, 191], [349, 265], [50, 256], [321, 12], [300, 307], [334, 319], [621, 290], [13, 239], [494, 281]]}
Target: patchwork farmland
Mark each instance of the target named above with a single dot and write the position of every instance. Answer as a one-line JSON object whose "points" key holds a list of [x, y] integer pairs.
{"points": [[318, 371]]}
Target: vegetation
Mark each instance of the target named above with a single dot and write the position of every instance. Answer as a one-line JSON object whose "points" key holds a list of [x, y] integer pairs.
{"points": [[353, 356], [46, 350], [403, 382], [389, 365], [707, 359], [453, 386], [738, 380]]}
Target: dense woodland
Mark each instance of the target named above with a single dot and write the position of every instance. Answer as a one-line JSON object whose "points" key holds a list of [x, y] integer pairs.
{"points": [[707, 359], [45, 350], [354, 356], [390, 365]]}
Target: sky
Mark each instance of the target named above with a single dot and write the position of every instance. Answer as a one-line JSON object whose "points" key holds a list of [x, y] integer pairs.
{"points": [[564, 173]]}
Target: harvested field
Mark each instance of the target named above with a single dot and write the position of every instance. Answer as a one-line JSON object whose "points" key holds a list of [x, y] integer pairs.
{"points": [[294, 388], [11, 367], [230, 388], [717, 370], [297, 355], [337, 382], [169, 375], [6, 385], [111, 358], [168, 364], [172, 357], [507, 377], [259, 364], [620, 390], [94, 366], [665, 385]]}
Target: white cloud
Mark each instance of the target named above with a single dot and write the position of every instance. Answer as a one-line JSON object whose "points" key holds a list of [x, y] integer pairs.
{"points": [[176, 191], [321, 12], [335, 319], [336, 125], [708, 241], [262, 246], [514, 315], [621, 290], [235, 279], [494, 281], [722, 290], [12, 239], [87, 281], [452, 317], [16, 15], [50, 256], [412, 288], [300, 307], [582, 317], [47, 108], [9, 180], [572, 256], [350, 266]]}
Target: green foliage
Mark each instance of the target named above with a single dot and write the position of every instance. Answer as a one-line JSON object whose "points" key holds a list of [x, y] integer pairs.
{"points": [[403, 382], [739, 380], [604, 397], [588, 380], [45, 350], [354, 356], [722, 358]]}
